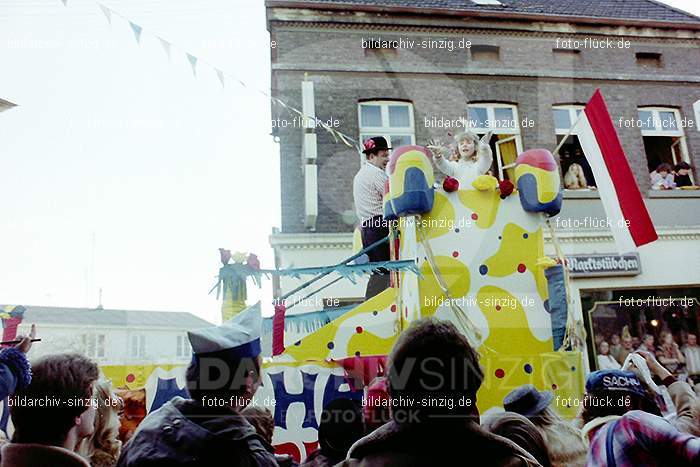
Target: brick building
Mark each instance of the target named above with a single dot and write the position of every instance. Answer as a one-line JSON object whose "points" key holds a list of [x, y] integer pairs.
{"points": [[415, 70]]}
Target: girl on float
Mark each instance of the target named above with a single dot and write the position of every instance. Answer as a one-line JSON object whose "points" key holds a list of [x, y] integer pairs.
{"points": [[474, 158]]}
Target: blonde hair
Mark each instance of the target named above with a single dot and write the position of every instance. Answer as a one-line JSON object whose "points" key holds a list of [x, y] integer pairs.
{"points": [[103, 447], [466, 134]]}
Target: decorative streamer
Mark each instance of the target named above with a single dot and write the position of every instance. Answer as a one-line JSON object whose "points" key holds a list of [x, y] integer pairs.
{"points": [[137, 31], [194, 60]]}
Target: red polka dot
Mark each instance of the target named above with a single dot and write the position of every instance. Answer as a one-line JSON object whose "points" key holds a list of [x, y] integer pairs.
{"points": [[498, 307], [130, 378], [393, 308], [359, 329], [554, 386], [455, 254], [475, 216], [500, 373], [521, 267]]}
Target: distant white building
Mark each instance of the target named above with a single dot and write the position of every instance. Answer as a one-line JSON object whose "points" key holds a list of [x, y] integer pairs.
{"points": [[127, 344]]}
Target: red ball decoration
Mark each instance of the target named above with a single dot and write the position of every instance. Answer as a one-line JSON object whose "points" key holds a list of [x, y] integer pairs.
{"points": [[506, 188], [450, 184]]}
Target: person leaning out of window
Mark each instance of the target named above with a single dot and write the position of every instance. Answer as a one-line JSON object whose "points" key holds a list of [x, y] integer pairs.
{"points": [[662, 178]]}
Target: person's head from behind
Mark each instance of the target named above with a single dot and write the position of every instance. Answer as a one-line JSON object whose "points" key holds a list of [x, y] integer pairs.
{"points": [[226, 364], [663, 169], [105, 438], [521, 431], [340, 426], [376, 150], [432, 359], [615, 339], [67, 381], [527, 401], [615, 392], [219, 376], [262, 420], [682, 168]]}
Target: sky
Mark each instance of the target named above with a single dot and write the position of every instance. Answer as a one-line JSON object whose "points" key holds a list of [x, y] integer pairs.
{"points": [[119, 169], [122, 171]]}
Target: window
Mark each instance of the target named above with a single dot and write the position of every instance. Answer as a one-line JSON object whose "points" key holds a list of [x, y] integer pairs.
{"points": [[183, 347], [94, 345], [137, 348], [505, 143], [576, 171], [662, 133], [391, 119], [649, 59], [485, 53]]}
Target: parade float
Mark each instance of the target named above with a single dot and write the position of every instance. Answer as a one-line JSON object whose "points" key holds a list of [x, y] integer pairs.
{"points": [[474, 256]]}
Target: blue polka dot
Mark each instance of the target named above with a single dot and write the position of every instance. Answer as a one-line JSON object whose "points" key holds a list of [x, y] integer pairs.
{"points": [[374, 313], [330, 345], [297, 343], [573, 368], [500, 238], [357, 354], [527, 368], [524, 235], [483, 269], [456, 230]]}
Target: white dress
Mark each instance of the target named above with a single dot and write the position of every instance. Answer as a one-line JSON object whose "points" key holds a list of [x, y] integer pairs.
{"points": [[466, 170]]}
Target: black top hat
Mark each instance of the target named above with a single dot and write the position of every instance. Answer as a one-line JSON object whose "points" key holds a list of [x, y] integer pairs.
{"points": [[526, 400], [377, 143]]}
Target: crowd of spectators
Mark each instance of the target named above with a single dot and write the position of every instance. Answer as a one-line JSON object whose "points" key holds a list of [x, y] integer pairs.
{"points": [[431, 359]]}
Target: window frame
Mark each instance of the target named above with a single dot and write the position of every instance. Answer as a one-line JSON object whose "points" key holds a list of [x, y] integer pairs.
{"points": [[140, 345], [512, 132], [573, 117], [386, 130], [96, 341], [183, 348], [677, 133], [655, 110]]}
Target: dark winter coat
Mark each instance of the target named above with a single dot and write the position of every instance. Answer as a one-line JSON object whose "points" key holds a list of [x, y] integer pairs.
{"points": [[184, 433]]}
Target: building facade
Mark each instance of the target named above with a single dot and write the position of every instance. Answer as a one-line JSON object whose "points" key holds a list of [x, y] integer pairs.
{"points": [[522, 69], [122, 342]]}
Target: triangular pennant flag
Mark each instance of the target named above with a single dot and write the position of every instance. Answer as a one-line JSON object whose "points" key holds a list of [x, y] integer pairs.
{"points": [[107, 12], [166, 46], [137, 31], [220, 74], [193, 63]]}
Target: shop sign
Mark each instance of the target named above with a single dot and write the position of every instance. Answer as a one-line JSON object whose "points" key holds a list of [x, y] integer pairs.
{"points": [[596, 265]]}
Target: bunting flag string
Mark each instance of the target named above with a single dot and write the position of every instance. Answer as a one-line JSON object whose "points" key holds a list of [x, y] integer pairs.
{"points": [[107, 12], [222, 76], [137, 31]]}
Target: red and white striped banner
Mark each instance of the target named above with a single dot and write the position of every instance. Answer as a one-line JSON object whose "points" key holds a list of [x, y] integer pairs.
{"points": [[629, 219]]}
